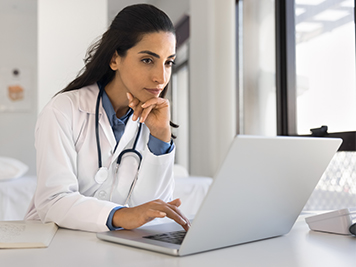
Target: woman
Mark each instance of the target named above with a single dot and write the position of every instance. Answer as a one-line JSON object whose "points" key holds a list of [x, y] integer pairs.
{"points": [[116, 104]]}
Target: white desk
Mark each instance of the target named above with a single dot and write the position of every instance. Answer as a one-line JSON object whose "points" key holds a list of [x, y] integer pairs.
{"points": [[300, 247]]}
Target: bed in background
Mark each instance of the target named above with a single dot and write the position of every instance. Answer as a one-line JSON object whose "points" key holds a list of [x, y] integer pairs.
{"points": [[17, 189]]}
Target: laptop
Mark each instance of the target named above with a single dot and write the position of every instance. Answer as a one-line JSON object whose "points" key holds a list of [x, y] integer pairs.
{"points": [[258, 193]]}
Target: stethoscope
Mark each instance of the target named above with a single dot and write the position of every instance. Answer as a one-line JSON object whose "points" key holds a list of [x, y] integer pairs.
{"points": [[103, 173]]}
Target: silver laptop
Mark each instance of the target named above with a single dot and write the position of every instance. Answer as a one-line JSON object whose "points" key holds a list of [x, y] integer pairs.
{"points": [[258, 193]]}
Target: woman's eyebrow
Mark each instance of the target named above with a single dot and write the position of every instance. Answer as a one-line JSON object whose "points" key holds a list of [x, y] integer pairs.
{"points": [[154, 54]]}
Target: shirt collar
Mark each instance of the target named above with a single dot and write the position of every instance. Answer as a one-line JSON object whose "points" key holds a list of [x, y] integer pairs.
{"points": [[110, 112]]}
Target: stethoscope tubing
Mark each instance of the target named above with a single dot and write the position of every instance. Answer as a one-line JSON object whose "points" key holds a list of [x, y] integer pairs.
{"points": [[97, 128], [129, 150], [133, 149]]}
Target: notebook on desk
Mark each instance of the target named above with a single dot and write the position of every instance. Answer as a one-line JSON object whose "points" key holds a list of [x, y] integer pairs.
{"points": [[258, 193]]}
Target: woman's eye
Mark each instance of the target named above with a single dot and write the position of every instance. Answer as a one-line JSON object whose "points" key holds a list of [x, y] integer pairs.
{"points": [[147, 60], [170, 63]]}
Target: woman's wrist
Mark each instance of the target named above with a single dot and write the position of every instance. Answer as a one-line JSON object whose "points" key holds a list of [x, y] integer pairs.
{"points": [[162, 134], [116, 219]]}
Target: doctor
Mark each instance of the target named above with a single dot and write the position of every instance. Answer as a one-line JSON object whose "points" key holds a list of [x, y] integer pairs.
{"points": [[104, 149]]}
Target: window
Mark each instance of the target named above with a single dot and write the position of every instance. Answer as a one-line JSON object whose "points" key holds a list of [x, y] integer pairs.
{"points": [[325, 65], [315, 46]]}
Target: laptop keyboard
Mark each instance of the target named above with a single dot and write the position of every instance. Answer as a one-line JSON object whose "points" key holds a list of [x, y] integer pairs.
{"points": [[171, 237]]}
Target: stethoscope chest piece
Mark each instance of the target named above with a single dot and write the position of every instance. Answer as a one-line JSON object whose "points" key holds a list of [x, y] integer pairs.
{"points": [[101, 175]]}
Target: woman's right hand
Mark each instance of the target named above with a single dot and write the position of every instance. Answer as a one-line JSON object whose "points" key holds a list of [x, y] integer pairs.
{"points": [[131, 218]]}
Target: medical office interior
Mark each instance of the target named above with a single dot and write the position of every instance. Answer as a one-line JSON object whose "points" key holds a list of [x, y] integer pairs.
{"points": [[227, 81]]}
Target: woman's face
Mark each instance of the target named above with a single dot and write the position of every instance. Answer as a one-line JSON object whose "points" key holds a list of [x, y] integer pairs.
{"points": [[146, 68]]}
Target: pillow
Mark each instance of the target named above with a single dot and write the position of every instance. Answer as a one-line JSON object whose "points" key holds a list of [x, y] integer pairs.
{"points": [[11, 168], [180, 171]]}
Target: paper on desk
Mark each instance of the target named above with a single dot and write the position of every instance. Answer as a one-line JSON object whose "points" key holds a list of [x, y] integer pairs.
{"points": [[26, 234]]}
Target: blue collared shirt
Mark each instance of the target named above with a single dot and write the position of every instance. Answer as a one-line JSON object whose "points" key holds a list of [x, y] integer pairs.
{"points": [[156, 146]]}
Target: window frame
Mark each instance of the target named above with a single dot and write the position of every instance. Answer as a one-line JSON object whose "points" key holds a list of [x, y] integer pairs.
{"points": [[286, 77]]}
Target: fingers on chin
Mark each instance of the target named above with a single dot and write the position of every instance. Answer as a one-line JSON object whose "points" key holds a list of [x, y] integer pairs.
{"points": [[145, 113]]}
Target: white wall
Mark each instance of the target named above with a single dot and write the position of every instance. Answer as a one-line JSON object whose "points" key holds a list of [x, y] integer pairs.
{"points": [[212, 83], [66, 29], [258, 69], [47, 41], [18, 50]]}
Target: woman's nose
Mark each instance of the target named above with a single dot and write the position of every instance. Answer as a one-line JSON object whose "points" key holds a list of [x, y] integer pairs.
{"points": [[160, 75]]}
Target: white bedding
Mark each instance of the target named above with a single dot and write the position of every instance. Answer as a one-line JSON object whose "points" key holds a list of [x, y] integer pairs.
{"points": [[191, 191], [15, 197], [16, 194], [11, 168]]}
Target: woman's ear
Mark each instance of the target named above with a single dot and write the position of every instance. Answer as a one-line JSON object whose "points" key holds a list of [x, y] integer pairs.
{"points": [[114, 62]]}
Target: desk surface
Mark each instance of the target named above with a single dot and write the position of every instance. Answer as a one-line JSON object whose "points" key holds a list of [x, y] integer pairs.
{"points": [[300, 247]]}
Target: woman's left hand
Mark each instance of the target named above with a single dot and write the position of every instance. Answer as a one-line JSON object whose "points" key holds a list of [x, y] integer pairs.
{"points": [[155, 113]]}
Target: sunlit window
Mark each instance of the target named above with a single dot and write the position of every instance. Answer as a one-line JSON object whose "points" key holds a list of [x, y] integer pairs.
{"points": [[325, 64]]}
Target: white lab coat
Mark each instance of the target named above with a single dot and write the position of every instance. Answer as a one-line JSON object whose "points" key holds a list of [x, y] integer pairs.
{"points": [[67, 162]]}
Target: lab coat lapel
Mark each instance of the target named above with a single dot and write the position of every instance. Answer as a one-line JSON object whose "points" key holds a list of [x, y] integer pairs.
{"points": [[87, 103], [106, 128]]}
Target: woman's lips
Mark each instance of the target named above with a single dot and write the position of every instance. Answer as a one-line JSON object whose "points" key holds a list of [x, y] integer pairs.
{"points": [[155, 92]]}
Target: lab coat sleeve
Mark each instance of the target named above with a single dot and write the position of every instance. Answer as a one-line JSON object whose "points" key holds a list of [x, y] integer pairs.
{"points": [[57, 197]]}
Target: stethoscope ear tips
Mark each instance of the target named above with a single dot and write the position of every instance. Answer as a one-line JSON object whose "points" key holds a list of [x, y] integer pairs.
{"points": [[101, 175]]}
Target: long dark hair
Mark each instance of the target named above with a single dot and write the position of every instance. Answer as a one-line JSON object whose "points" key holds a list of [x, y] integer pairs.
{"points": [[125, 31]]}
